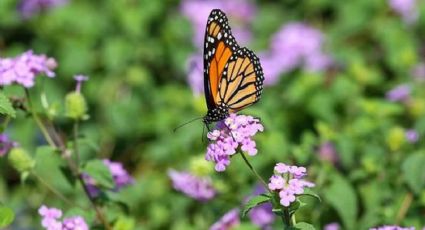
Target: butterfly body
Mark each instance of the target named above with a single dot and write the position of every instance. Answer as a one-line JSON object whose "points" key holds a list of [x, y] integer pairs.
{"points": [[233, 76]]}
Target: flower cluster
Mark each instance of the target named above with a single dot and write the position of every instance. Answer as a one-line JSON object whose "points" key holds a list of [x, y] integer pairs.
{"points": [[24, 68], [262, 215], [296, 44], [332, 226], [199, 188], [327, 152], [51, 220], [399, 93], [392, 227], [5, 144], [119, 174], [412, 136], [28, 8], [234, 131], [407, 9], [228, 221], [287, 180]]}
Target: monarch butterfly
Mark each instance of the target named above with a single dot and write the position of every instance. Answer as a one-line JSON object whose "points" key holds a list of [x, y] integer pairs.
{"points": [[233, 76]]}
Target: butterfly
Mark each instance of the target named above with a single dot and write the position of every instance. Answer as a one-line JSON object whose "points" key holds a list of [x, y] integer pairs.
{"points": [[233, 76]]}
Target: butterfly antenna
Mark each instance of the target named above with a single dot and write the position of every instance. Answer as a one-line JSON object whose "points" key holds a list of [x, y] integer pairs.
{"points": [[178, 127]]}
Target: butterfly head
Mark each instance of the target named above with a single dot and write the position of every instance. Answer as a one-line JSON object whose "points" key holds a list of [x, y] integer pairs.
{"points": [[216, 114]]}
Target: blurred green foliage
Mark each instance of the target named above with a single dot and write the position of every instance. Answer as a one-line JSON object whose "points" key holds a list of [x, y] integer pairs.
{"points": [[135, 55]]}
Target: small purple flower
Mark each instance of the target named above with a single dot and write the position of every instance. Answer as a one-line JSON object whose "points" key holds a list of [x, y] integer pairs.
{"points": [[235, 131], [407, 9], [295, 44], [28, 8], [412, 136], [5, 144], [24, 68], [51, 220], [392, 227], [80, 79], [228, 221], [287, 181], [199, 188], [327, 152], [74, 223], [399, 93], [332, 226], [276, 182], [119, 174]]}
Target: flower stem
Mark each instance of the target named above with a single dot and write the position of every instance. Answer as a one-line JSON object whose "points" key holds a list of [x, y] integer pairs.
{"points": [[407, 201], [56, 192], [254, 171], [38, 121]]}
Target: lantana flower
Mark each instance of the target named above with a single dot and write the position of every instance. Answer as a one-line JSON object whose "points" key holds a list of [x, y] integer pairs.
{"points": [[234, 132], [288, 182], [51, 220], [121, 178], [230, 220], [199, 188], [24, 68]]}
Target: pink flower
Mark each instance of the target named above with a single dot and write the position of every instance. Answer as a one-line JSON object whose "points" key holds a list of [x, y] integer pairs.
{"points": [[228, 221], [288, 182], [199, 188], [235, 131], [24, 68]]}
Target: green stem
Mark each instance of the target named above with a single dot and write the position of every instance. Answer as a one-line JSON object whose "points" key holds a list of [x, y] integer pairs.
{"points": [[76, 150], [254, 171], [54, 191], [38, 120]]}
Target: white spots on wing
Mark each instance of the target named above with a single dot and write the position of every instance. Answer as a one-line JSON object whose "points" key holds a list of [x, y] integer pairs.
{"points": [[219, 36]]}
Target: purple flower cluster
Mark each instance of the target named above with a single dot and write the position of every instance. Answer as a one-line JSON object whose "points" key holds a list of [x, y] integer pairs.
{"points": [[234, 131], [199, 188], [228, 221], [195, 73], [392, 227], [5, 144], [399, 93], [328, 153], [332, 226], [241, 12], [51, 220], [287, 180], [24, 68], [412, 136], [119, 174], [28, 8], [407, 9], [296, 44], [262, 215]]}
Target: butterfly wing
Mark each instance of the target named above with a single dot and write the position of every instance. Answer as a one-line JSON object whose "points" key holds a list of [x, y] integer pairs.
{"points": [[220, 45], [241, 83]]}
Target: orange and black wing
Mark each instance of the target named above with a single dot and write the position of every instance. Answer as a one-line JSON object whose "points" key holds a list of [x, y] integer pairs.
{"points": [[220, 45], [241, 82]]}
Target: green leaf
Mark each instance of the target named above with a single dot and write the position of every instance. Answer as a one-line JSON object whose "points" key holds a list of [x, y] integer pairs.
{"points": [[100, 173], [5, 106], [342, 197], [255, 201], [302, 226], [309, 192], [124, 223], [413, 171], [6, 216]]}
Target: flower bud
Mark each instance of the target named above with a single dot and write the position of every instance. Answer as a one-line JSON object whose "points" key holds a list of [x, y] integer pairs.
{"points": [[395, 138], [200, 167], [75, 105], [21, 160]]}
